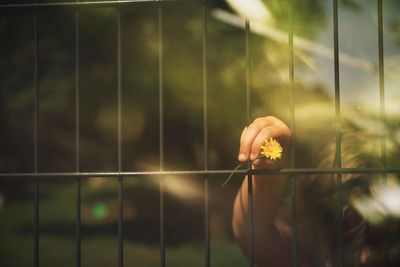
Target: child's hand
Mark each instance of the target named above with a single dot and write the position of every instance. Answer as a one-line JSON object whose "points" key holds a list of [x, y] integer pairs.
{"points": [[253, 137]]}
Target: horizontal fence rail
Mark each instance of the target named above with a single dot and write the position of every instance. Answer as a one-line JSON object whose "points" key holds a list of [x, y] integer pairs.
{"points": [[292, 172], [296, 171], [93, 4]]}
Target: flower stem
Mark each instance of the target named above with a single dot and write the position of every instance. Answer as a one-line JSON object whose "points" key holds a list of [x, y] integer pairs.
{"points": [[232, 173], [238, 167]]}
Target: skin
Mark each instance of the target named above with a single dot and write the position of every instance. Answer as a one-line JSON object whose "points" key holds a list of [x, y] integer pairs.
{"points": [[272, 239], [272, 236]]}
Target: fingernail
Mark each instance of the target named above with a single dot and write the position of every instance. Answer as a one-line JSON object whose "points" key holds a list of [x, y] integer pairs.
{"points": [[253, 157], [242, 157]]}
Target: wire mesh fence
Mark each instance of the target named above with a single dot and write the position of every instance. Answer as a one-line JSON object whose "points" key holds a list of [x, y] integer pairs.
{"points": [[81, 163]]}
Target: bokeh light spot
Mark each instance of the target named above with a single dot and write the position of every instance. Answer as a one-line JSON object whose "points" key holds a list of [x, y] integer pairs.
{"points": [[100, 210]]}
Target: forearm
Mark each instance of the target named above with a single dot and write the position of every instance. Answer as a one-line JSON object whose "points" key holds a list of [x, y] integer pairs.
{"points": [[267, 195], [269, 137]]}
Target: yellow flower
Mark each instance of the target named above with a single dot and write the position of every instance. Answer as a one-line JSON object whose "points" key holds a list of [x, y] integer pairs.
{"points": [[271, 149]]}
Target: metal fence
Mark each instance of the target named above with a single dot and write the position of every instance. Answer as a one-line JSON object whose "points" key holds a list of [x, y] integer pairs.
{"points": [[121, 175]]}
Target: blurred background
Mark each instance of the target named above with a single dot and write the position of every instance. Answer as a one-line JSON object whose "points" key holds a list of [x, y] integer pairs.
{"points": [[182, 39]]}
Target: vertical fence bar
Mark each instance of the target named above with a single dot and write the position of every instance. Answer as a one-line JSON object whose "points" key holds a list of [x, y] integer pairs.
{"points": [[205, 104], [78, 223], [247, 55], [207, 225], [36, 223], [250, 216], [120, 222], [77, 93], [36, 93], [382, 85], [120, 178], [338, 161], [205, 140], [249, 176], [160, 85], [382, 82], [77, 148], [119, 88], [35, 141], [292, 127], [383, 118], [161, 130], [162, 241]]}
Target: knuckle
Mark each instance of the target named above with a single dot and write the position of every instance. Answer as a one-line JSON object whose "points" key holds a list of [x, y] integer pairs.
{"points": [[253, 130], [267, 120], [257, 120], [286, 130], [270, 118]]}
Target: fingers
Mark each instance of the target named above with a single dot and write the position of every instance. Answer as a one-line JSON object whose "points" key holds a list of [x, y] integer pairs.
{"points": [[265, 133], [253, 136], [248, 136]]}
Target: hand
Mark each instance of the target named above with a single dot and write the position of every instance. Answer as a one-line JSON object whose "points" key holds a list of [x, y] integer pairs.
{"points": [[253, 137]]}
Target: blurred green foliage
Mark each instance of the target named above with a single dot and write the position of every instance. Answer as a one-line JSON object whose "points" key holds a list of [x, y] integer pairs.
{"points": [[91, 69]]}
